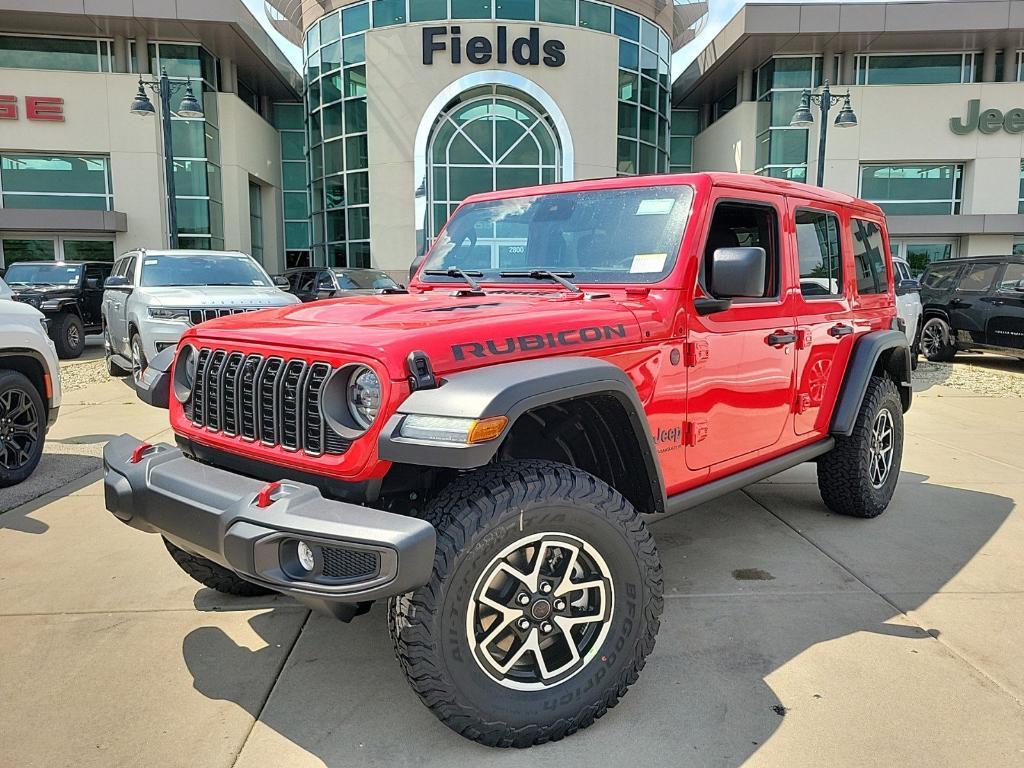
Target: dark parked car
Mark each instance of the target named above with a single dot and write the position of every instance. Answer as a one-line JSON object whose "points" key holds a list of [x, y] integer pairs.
{"points": [[312, 283], [975, 303], [68, 293]]}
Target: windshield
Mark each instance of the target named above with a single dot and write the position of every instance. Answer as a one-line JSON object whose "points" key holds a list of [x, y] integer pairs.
{"points": [[627, 235], [44, 274], [355, 281], [220, 269]]}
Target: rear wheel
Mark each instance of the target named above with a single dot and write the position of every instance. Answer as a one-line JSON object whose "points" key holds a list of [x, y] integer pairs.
{"points": [[22, 427], [937, 342], [68, 335], [543, 605], [858, 476], [211, 575]]}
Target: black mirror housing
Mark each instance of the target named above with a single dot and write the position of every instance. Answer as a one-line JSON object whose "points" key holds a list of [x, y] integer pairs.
{"points": [[116, 281], [738, 273], [907, 286]]}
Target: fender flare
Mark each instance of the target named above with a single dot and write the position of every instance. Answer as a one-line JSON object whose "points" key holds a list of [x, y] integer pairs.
{"points": [[66, 305], [867, 352], [510, 390]]}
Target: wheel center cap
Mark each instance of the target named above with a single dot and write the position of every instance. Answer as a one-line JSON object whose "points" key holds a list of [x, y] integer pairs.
{"points": [[540, 610]]}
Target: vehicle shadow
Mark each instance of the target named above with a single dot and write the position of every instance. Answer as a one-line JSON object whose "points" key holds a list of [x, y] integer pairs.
{"points": [[745, 595], [62, 472]]}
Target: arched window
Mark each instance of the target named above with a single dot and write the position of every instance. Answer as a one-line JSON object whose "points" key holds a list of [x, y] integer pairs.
{"points": [[488, 138]]}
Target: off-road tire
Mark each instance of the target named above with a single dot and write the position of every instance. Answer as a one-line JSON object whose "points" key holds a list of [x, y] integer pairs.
{"points": [[214, 576], [68, 335], [16, 389], [942, 351], [844, 473], [477, 516]]}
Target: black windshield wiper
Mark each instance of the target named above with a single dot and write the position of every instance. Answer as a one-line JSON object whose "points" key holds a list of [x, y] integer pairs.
{"points": [[474, 286], [547, 274]]}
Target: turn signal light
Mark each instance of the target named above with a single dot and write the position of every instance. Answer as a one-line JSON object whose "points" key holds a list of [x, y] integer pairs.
{"points": [[486, 429]]}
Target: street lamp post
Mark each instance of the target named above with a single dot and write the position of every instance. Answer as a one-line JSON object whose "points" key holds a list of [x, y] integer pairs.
{"points": [[163, 87], [803, 118]]}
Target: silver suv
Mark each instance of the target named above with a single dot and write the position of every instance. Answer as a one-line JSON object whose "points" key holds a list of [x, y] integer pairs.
{"points": [[29, 387], [151, 297]]}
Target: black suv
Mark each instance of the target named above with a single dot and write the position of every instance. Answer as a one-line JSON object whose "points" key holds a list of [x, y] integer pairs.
{"points": [[975, 303], [68, 293], [312, 283]]}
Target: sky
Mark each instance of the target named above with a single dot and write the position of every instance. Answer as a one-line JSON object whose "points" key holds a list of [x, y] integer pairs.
{"points": [[720, 12]]}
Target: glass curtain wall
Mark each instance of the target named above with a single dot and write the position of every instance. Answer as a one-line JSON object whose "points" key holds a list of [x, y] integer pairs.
{"points": [[685, 126], [290, 124], [196, 145], [69, 182], [69, 54], [907, 190], [335, 56], [781, 150], [918, 68]]}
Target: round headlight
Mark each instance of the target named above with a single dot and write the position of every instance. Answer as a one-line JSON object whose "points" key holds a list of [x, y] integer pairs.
{"points": [[185, 373], [364, 396]]}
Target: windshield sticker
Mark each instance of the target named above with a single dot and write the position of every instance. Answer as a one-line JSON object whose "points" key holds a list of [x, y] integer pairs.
{"points": [[150, 262], [647, 262], [657, 206]]}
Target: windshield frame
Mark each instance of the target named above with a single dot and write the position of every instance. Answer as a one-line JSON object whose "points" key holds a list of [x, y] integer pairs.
{"points": [[62, 265], [685, 192], [267, 281]]}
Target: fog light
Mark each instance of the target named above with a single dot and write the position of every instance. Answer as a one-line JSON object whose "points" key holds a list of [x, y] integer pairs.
{"points": [[305, 553]]}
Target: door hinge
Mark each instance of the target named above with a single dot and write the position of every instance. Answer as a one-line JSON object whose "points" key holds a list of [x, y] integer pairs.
{"points": [[695, 353], [803, 338], [803, 402], [694, 431]]}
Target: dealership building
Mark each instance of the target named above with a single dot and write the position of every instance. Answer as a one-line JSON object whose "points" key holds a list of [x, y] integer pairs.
{"points": [[402, 108]]}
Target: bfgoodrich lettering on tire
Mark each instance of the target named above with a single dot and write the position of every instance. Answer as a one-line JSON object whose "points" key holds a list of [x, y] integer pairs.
{"points": [[543, 605], [859, 475]]}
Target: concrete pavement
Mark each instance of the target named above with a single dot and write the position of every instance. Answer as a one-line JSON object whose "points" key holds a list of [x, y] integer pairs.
{"points": [[790, 637]]}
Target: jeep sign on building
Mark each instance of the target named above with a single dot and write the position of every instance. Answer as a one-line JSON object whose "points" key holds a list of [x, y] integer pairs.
{"points": [[414, 104]]}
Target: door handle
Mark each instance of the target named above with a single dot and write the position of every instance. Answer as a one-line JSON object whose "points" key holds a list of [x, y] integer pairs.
{"points": [[837, 331], [780, 338]]}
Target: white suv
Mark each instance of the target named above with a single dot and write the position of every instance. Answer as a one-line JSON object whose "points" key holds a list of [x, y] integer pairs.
{"points": [[908, 305], [29, 387]]}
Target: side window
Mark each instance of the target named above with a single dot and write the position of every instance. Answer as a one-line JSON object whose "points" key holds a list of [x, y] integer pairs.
{"points": [[324, 282], [745, 225], [940, 277], [95, 273], [817, 242], [117, 267], [869, 258], [978, 277], [902, 272], [1013, 275], [129, 269]]}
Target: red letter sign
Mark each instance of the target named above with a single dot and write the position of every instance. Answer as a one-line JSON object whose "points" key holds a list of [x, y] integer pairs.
{"points": [[8, 107], [45, 108]]}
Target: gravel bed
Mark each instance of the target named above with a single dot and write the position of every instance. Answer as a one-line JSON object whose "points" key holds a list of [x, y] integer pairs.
{"points": [[77, 374], [970, 377]]}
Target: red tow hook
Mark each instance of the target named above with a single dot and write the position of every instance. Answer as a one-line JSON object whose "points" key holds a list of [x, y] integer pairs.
{"points": [[263, 498], [139, 452]]}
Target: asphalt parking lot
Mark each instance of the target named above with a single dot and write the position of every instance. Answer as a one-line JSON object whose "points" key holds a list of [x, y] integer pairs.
{"points": [[790, 637]]}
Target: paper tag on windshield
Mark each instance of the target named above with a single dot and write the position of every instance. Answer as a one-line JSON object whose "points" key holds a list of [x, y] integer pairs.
{"points": [[657, 206], [150, 262], [648, 262]]}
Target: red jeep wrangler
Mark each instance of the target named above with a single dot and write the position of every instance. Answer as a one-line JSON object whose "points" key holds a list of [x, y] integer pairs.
{"points": [[482, 451]]}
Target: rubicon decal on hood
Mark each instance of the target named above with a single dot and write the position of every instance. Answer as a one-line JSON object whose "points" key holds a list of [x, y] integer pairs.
{"points": [[533, 341]]}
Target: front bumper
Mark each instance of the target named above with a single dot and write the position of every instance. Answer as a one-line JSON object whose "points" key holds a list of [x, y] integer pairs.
{"points": [[360, 553], [158, 335]]}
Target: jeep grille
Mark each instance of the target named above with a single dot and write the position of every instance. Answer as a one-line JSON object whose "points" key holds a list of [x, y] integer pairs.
{"points": [[201, 315], [268, 400]]}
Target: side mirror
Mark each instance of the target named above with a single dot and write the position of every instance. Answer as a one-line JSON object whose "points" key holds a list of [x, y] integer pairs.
{"points": [[738, 273], [907, 286], [92, 283], [116, 281], [281, 282]]}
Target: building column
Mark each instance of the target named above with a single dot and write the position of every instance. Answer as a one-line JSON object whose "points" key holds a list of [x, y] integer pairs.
{"points": [[828, 67], [988, 65], [142, 52], [228, 75], [704, 115], [848, 68], [1009, 73], [120, 53], [744, 86]]}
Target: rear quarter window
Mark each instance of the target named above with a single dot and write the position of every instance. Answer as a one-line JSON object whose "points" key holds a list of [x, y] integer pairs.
{"points": [[941, 277], [869, 257], [978, 277]]}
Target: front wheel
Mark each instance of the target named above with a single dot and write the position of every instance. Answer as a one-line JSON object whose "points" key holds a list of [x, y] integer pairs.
{"points": [[858, 476], [937, 342], [68, 335], [543, 605], [139, 361]]}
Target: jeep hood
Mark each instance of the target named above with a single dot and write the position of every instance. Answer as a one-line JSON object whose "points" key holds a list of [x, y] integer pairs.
{"points": [[217, 296], [456, 332]]}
